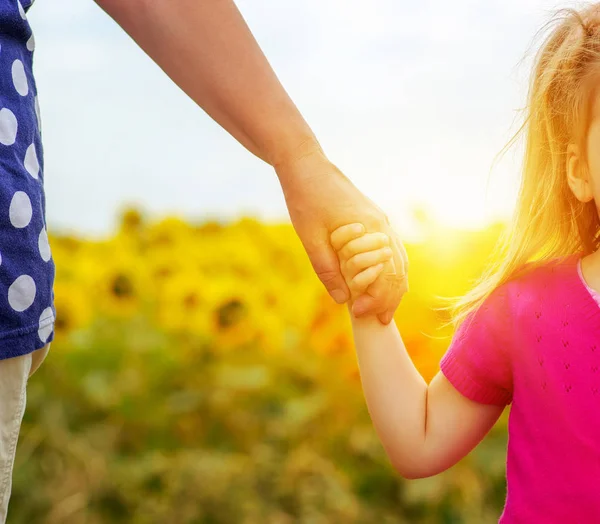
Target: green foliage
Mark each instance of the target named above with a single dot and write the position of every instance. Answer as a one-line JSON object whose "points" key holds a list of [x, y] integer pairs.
{"points": [[126, 425], [221, 387]]}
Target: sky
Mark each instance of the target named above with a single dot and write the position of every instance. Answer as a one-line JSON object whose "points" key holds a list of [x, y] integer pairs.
{"points": [[411, 100]]}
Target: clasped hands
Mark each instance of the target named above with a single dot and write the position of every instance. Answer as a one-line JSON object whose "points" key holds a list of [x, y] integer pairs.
{"points": [[362, 256], [345, 235]]}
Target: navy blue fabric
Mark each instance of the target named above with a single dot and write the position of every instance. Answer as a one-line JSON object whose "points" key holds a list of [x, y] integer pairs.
{"points": [[27, 311]]}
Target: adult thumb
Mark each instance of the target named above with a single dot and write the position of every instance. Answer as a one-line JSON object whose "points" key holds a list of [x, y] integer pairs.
{"points": [[363, 304], [327, 267]]}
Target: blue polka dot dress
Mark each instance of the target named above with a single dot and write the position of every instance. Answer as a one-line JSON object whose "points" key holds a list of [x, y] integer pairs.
{"points": [[27, 270]]}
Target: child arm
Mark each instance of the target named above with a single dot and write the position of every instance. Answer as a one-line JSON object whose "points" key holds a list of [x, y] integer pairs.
{"points": [[424, 429]]}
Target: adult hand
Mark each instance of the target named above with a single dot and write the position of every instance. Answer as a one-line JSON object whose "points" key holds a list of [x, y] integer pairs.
{"points": [[320, 199]]}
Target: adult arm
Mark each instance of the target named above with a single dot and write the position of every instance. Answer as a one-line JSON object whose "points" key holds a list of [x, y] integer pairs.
{"points": [[207, 49]]}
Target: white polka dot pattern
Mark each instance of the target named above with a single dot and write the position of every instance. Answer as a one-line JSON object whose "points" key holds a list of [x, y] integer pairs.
{"points": [[8, 127], [46, 324], [31, 43], [21, 293], [31, 162], [19, 78], [21, 10], [20, 210], [27, 312], [37, 114], [43, 245]]}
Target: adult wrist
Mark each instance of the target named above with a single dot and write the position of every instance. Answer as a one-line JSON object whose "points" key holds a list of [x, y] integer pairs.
{"points": [[305, 161], [286, 159]]}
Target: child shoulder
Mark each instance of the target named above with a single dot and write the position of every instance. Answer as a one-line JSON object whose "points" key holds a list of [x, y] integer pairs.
{"points": [[535, 270], [537, 278]]}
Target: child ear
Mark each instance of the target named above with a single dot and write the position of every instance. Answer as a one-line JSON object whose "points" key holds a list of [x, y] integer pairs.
{"points": [[578, 175]]}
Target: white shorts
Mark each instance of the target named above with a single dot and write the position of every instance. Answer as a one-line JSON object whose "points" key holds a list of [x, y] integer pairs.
{"points": [[14, 374]]}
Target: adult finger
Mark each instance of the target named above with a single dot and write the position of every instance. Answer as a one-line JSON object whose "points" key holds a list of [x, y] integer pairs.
{"points": [[327, 267], [363, 305]]}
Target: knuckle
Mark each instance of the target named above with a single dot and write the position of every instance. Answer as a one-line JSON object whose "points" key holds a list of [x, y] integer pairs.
{"points": [[327, 276], [351, 246], [362, 258], [393, 280], [353, 263], [374, 220], [388, 289], [345, 274], [346, 252], [356, 285], [375, 224]]}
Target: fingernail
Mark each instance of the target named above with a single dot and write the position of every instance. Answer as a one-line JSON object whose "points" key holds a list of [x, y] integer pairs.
{"points": [[339, 296], [388, 252], [358, 228]]}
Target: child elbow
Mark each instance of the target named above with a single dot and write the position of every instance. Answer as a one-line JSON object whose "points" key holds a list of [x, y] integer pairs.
{"points": [[413, 462], [412, 474], [413, 470]]}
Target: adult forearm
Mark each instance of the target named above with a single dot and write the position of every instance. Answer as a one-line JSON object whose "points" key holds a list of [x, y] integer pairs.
{"points": [[395, 392], [206, 48]]}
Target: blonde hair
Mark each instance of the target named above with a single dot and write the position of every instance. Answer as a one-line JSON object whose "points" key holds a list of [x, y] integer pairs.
{"points": [[549, 221]]}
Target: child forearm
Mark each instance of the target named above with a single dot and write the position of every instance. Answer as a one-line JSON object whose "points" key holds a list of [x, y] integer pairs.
{"points": [[395, 392]]}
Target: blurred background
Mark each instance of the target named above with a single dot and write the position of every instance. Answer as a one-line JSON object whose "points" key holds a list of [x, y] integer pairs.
{"points": [[200, 373]]}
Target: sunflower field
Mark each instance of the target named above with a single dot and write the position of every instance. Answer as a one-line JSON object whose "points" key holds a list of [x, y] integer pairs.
{"points": [[201, 374]]}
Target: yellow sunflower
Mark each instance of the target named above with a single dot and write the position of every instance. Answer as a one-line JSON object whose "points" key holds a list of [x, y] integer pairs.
{"points": [[122, 284], [73, 309]]}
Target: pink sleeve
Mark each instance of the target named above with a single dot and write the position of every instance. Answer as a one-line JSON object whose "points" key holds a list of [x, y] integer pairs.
{"points": [[477, 362]]}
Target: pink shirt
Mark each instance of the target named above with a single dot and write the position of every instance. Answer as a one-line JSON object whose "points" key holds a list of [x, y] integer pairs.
{"points": [[535, 344]]}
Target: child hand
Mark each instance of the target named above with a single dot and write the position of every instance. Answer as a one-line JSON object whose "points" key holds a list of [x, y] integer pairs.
{"points": [[362, 256]]}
